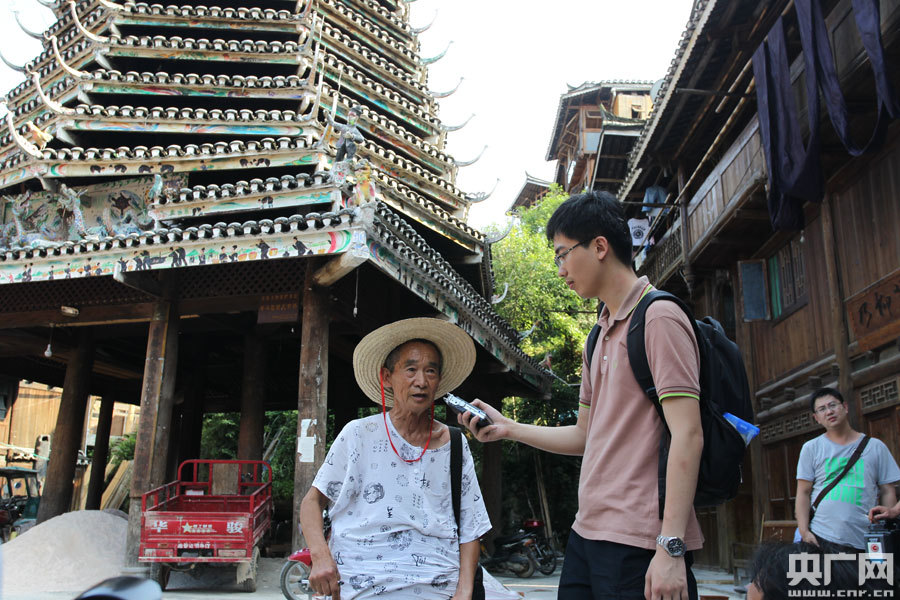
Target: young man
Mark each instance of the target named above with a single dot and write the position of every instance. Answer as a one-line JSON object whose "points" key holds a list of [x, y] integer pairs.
{"points": [[619, 547], [841, 518]]}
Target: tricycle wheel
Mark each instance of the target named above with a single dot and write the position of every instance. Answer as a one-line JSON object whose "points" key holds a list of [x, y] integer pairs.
{"points": [[159, 573], [293, 575], [246, 573]]}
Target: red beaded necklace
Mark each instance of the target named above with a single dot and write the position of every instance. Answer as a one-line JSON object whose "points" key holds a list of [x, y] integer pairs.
{"points": [[388, 431]]}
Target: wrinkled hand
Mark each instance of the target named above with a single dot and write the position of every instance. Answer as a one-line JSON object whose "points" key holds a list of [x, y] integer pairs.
{"points": [[666, 578], [883, 512], [324, 577], [809, 537], [489, 433]]}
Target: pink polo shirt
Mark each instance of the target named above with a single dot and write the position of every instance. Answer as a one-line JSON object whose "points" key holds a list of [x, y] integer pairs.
{"points": [[617, 491]]}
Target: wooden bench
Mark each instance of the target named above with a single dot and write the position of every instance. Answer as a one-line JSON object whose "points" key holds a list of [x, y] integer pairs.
{"points": [[742, 554]]}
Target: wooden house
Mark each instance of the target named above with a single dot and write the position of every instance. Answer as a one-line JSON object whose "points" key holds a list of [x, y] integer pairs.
{"points": [[208, 205], [813, 303], [595, 128], [532, 191]]}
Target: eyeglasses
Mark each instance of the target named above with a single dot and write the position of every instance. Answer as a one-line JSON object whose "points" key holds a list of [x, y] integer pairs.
{"points": [[824, 409], [560, 258]]}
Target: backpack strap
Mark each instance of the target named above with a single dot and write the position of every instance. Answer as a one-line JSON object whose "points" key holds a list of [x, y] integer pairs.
{"points": [[853, 458], [455, 470], [637, 344], [455, 493], [591, 343], [640, 366]]}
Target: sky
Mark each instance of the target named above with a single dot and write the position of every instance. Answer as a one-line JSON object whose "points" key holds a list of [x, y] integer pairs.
{"points": [[516, 58]]}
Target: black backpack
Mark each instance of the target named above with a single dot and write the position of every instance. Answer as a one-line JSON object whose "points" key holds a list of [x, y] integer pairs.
{"points": [[723, 388]]}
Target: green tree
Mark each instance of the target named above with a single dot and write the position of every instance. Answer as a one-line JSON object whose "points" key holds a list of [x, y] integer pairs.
{"points": [[539, 298], [220, 434]]}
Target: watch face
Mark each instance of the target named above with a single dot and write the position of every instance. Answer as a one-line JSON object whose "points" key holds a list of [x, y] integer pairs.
{"points": [[675, 547]]}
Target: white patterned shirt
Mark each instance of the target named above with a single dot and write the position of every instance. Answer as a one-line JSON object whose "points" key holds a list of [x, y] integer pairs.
{"points": [[393, 530]]}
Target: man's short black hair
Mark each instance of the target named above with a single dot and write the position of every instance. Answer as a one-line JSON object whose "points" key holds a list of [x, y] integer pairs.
{"points": [[771, 565], [825, 391], [390, 361], [583, 217]]}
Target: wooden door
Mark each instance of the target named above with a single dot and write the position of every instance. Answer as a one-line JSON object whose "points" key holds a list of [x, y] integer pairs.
{"points": [[885, 425], [709, 554]]}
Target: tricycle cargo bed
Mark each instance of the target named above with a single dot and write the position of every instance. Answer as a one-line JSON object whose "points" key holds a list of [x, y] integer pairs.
{"points": [[196, 520]]}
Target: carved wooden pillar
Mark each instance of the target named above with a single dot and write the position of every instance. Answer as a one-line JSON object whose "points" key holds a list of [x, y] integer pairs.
{"points": [[250, 434], [839, 334], [57, 495], [156, 413], [101, 454], [760, 483], [312, 401]]}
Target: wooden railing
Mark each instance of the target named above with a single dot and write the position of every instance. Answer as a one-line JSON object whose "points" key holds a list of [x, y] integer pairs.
{"points": [[741, 170], [722, 193], [663, 258]]}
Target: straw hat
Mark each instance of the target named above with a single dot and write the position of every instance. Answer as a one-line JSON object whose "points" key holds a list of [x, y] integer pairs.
{"points": [[455, 345]]}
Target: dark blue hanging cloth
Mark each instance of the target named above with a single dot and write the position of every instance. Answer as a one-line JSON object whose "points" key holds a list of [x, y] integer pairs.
{"points": [[795, 175], [794, 170]]}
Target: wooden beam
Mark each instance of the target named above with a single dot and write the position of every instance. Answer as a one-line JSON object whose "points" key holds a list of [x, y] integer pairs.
{"points": [[88, 315], [32, 345], [57, 494], [336, 268], [143, 282], [312, 395], [839, 332], [159, 368], [101, 452], [253, 387]]}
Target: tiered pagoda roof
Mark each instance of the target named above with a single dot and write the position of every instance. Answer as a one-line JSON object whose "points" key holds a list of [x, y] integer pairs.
{"points": [[149, 137]]}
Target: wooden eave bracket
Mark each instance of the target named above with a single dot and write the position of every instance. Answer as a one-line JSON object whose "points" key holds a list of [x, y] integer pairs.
{"points": [[336, 268], [143, 282]]}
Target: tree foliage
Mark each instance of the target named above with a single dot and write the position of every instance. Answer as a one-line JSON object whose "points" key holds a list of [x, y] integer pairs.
{"points": [[537, 295], [220, 437], [122, 449]]}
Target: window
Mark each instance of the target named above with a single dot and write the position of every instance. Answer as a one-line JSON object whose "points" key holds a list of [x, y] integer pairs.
{"points": [[787, 279]]}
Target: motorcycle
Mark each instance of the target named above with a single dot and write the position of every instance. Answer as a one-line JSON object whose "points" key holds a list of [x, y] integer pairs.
{"points": [[544, 553], [511, 553], [295, 575]]}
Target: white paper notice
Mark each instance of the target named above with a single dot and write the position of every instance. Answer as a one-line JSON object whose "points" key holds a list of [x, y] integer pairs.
{"points": [[306, 444]]}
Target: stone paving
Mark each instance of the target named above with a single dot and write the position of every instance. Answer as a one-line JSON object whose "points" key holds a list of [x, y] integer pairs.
{"points": [[216, 585], [712, 584]]}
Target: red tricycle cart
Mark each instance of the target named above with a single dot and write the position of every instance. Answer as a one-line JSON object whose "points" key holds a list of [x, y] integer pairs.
{"points": [[215, 513]]}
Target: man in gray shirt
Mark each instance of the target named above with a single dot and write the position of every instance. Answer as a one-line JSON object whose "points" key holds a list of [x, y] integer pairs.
{"points": [[841, 518]]}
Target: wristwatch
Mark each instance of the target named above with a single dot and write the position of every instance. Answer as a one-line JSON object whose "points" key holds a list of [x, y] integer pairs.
{"points": [[674, 546]]}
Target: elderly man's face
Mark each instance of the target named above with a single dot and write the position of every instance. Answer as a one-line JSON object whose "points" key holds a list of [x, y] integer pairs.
{"points": [[415, 376]]}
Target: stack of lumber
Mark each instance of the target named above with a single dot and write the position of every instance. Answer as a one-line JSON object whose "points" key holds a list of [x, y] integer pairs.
{"points": [[117, 490]]}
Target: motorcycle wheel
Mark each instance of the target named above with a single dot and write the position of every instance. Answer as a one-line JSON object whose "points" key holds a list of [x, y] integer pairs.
{"points": [[528, 555], [546, 558], [292, 575]]}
